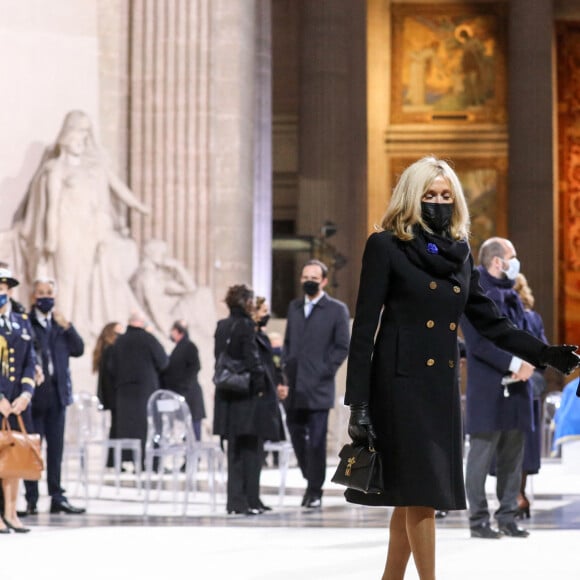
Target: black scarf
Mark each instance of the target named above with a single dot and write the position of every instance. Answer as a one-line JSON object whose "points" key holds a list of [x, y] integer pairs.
{"points": [[439, 255]]}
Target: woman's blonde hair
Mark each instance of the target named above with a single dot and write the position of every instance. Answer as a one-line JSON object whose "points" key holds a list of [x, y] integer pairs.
{"points": [[404, 209], [522, 287]]}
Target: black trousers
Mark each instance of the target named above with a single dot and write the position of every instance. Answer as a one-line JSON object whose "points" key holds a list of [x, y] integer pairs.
{"points": [[49, 424], [245, 456], [308, 430]]}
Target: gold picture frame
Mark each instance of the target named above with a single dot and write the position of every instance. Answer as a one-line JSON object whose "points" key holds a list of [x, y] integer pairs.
{"points": [[449, 63], [484, 182]]}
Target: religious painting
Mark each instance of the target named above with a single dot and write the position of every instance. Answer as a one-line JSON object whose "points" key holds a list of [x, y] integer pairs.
{"points": [[484, 182], [568, 107], [448, 63]]}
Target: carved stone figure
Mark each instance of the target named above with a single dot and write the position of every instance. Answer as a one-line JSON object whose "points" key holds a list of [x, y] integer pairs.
{"points": [[73, 228]]}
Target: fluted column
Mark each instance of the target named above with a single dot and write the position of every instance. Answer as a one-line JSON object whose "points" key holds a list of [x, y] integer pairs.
{"points": [[170, 125]]}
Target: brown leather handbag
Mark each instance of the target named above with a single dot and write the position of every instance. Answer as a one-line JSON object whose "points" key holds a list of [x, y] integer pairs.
{"points": [[20, 456]]}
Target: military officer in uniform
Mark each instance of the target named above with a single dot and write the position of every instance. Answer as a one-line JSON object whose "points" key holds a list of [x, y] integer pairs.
{"points": [[17, 361]]}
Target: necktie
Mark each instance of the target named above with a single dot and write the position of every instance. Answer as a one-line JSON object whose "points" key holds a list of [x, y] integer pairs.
{"points": [[308, 309], [49, 364], [6, 323]]}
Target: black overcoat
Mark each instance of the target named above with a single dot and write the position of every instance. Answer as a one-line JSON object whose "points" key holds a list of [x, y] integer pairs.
{"points": [[407, 373], [137, 360], [181, 376], [314, 349], [236, 415]]}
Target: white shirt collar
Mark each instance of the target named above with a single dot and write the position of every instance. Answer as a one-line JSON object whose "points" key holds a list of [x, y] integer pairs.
{"points": [[315, 301]]}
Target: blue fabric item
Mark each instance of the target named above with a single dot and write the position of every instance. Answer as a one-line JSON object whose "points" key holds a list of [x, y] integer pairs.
{"points": [[567, 417]]}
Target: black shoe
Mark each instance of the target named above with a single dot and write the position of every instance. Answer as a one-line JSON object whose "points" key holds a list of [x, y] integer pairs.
{"points": [[314, 503], [440, 514], [513, 530], [63, 505], [247, 512], [486, 532], [16, 529], [305, 499], [265, 508], [30, 510]]}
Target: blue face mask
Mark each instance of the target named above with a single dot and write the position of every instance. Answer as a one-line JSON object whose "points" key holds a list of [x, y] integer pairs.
{"points": [[45, 304], [3, 300]]}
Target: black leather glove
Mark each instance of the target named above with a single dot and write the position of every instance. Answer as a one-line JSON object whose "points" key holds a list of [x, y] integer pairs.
{"points": [[561, 357], [360, 427]]}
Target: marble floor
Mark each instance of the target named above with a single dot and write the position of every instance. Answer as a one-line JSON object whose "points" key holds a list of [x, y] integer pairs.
{"points": [[114, 540]]}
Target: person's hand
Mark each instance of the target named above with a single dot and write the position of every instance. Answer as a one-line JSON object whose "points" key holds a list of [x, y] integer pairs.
{"points": [[524, 373], [282, 391], [59, 318], [19, 404], [562, 357], [5, 407], [360, 428], [38, 375]]}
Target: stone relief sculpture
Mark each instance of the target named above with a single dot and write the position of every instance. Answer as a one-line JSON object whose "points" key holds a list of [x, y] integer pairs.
{"points": [[70, 228], [167, 292]]}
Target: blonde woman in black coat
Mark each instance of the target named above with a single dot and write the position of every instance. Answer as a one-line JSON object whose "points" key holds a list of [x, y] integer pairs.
{"points": [[237, 417], [417, 280]]}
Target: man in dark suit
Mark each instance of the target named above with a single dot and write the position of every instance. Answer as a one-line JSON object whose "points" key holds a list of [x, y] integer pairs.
{"points": [[315, 345], [55, 340], [181, 373], [498, 414]]}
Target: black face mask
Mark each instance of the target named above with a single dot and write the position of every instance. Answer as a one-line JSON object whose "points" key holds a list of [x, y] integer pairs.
{"points": [[264, 320], [45, 304], [437, 215], [311, 287]]}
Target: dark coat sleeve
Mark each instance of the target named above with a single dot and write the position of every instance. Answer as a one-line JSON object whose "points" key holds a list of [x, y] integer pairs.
{"points": [[373, 288], [74, 342], [483, 314]]}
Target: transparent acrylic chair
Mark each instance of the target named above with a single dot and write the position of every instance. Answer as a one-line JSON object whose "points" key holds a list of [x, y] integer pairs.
{"points": [[86, 427], [170, 437], [285, 451], [551, 405]]}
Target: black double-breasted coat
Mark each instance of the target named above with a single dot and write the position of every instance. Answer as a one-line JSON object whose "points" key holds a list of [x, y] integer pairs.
{"points": [[407, 373], [236, 415]]}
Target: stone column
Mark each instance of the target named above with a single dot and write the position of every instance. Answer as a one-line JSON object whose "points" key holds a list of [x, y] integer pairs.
{"points": [[531, 180], [170, 126], [262, 257], [232, 175], [331, 142]]}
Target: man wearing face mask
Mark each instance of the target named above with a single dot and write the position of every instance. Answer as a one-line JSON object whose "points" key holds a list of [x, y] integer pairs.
{"points": [[315, 345], [55, 341], [498, 413], [181, 373]]}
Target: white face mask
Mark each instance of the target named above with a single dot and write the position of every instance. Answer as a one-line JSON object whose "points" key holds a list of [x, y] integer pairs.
{"points": [[513, 268]]}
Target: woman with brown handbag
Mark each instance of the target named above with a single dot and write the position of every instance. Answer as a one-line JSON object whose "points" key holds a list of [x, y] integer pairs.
{"points": [[17, 366]]}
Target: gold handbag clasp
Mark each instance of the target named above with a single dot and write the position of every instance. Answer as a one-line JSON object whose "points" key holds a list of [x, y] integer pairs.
{"points": [[350, 462]]}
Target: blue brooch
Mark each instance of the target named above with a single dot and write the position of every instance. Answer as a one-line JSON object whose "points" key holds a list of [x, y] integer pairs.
{"points": [[432, 248]]}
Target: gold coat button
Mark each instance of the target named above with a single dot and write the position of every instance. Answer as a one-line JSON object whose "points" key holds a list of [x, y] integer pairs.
{"points": [[429, 324], [433, 285], [452, 326], [430, 362], [456, 289], [12, 369], [451, 364], [11, 359], [11, 350], [12, 379]]}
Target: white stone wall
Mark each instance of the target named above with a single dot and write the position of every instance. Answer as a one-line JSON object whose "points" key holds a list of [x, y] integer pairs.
{"points": [[48, 66]]}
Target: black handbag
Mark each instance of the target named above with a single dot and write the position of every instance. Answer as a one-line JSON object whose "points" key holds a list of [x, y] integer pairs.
{"points": [[360, 467], [231, 375]]}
